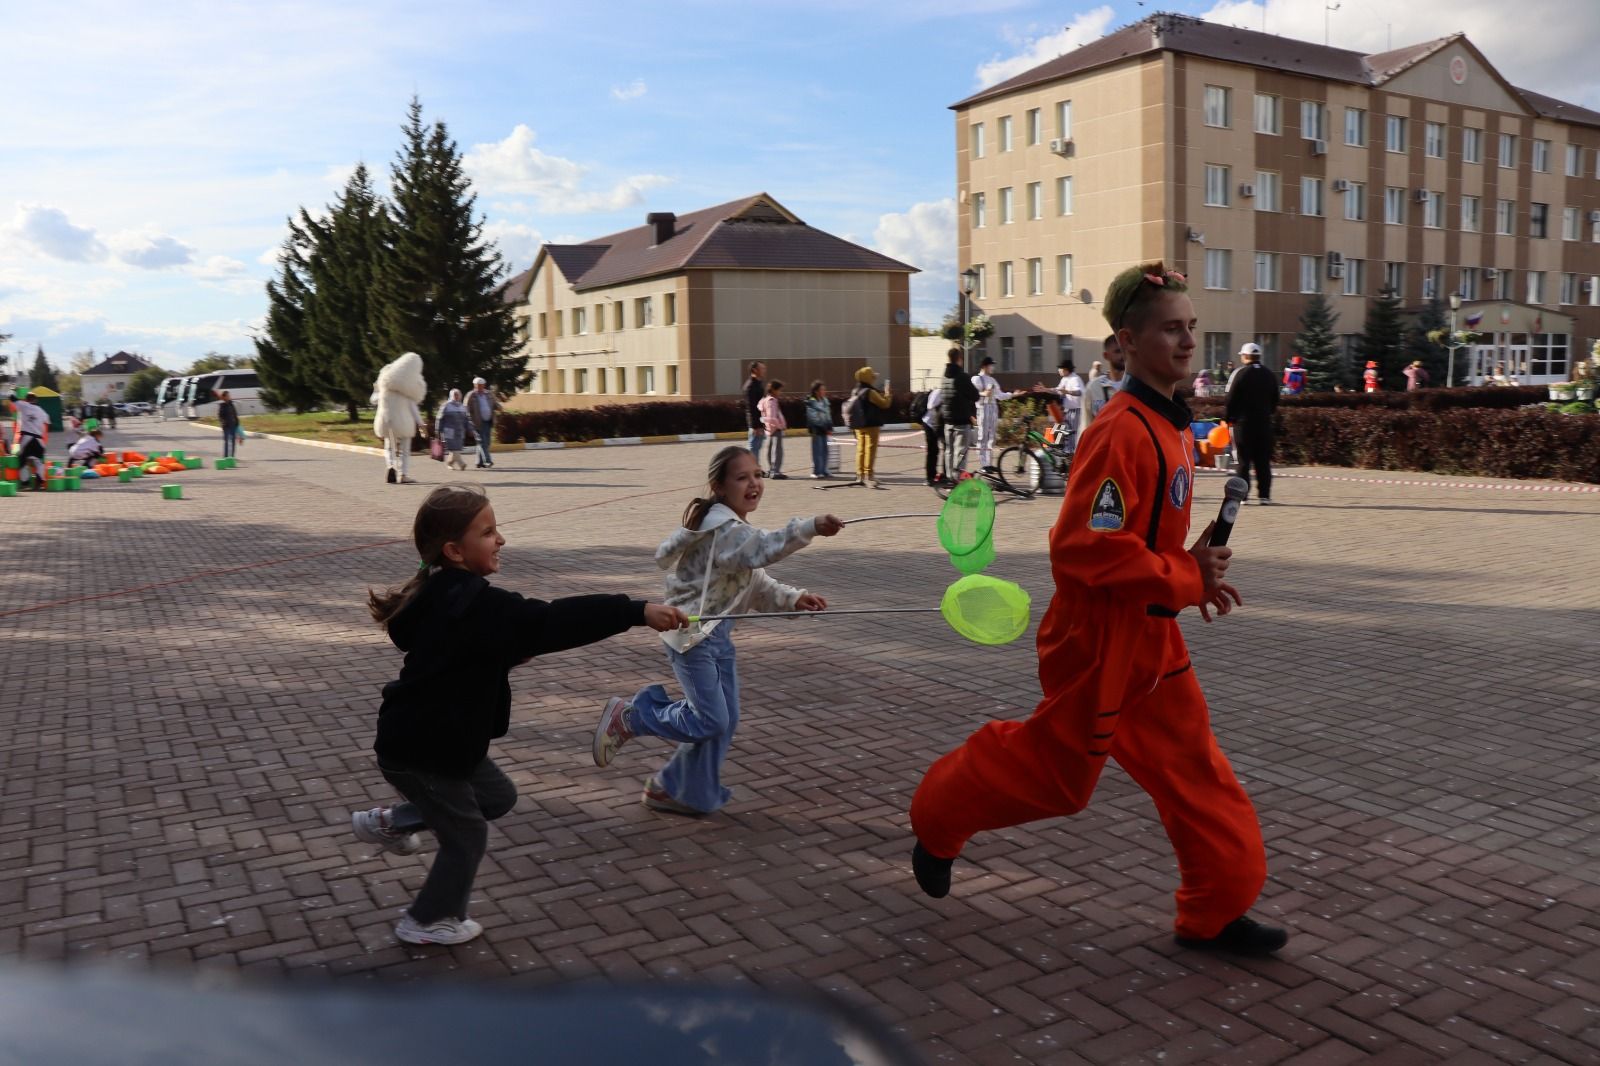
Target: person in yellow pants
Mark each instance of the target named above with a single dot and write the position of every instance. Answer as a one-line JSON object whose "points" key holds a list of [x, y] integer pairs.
{"points": [[1113, 666], [870, 403]]}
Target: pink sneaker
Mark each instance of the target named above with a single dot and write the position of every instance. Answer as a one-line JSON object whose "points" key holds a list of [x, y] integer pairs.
{"points": [[659, 799], [612, 732]]}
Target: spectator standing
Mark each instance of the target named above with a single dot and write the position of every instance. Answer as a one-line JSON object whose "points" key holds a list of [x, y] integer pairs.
{"points": [[754, 389], [928, 418], [871, 402], [989, 396], [228, 415], [1202, 383], [481, 406], [772, 420], [1252, 399], [451, 425], [958, 410], [1294, 376], [1416, 376], [1104, 386], [819, 423]]}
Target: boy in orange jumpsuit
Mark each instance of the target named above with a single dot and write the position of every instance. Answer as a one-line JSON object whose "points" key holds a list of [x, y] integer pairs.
{"points": [[1113, 666]]}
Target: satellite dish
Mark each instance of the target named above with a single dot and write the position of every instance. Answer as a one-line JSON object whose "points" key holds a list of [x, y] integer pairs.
{"points": [[1086, 296]]}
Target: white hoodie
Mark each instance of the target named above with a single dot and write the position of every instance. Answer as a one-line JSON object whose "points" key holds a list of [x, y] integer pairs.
{"points": [[732, 581]]}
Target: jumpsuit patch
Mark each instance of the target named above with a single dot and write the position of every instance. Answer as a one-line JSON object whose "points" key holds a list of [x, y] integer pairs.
{"points": [[1109, 510]]}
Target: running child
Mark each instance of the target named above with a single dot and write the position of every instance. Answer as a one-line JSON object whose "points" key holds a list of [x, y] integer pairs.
{"points": [[715, 562], [1116, 676], [462, 637]]}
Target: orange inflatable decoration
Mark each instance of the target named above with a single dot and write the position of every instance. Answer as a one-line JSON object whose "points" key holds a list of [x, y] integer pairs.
{"points": [[1219, 437]]}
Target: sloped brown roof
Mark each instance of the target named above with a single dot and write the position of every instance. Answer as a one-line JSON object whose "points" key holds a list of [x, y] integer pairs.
{"points": [[1385, 65], [753, 233], [515, 290], [121, 363], [1549, 107]]}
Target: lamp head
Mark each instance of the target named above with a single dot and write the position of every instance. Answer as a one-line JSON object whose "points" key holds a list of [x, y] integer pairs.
{"points": [[1455, 301], [969, 280]]}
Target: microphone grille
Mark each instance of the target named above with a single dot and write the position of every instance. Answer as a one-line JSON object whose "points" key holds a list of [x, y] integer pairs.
{"points": [[1237, 488]]}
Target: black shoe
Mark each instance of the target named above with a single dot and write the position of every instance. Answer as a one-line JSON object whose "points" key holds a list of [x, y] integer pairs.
{"points": [[1242, 936], [1264, 501], [780, 477], [933, 873], [391, 478]]}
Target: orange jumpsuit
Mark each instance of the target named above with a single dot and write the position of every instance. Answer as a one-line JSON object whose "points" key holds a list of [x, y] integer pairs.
{"points": [[1116, 676]]}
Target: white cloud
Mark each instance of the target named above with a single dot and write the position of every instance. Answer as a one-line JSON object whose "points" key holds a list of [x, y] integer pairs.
{"points": [[233, 332], [149, 250], [632, 91], [923, 237], [517, 243], [514, 166], [1087, 27], [50, 232], [218, 268]]}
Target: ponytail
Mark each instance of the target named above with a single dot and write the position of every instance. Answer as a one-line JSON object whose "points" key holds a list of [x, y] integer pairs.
{"points": [[390, 602], [445, 516], [716, 474]]}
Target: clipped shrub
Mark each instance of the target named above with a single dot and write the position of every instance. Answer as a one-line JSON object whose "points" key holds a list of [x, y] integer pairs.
{"points": [[666, 418]]}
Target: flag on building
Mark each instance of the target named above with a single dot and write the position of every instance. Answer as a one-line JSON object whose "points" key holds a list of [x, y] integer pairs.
{"points": [[1474, 318]]}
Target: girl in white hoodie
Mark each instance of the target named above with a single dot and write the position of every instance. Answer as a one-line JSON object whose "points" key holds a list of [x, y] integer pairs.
{"points": [[715, 562]]}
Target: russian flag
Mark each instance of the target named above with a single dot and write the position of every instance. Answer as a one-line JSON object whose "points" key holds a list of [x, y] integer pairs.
{"points": [[1475, 318]]}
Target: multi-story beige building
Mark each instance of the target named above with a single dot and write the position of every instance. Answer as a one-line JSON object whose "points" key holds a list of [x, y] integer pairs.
{"points": [[678, 309], [1267, 169]]}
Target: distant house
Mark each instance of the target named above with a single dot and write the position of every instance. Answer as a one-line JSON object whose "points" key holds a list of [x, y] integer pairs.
{"points": [[108, 379], [679, 307]]}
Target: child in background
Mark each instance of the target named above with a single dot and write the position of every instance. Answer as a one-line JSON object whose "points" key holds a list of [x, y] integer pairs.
{"points": [[819, 423], [716, 562], [86, 449], [462, 637], [771, 410]]}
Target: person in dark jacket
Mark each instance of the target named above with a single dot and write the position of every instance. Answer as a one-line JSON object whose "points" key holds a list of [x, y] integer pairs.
{"points": [[754, 390], [1252, 399], [958, 410], [228, 415], [462, 637]]}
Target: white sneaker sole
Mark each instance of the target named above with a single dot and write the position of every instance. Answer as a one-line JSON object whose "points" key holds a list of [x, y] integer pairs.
{"points": [[602, 752]]}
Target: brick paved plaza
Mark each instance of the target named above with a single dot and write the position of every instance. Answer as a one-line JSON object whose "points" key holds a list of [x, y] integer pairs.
{"points": [[1409, 695]]}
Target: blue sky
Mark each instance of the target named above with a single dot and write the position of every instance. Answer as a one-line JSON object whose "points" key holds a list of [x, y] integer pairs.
{"points": [[151, 152]]}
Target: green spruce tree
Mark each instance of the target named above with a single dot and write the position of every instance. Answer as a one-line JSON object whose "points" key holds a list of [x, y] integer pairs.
{"points": [[437, 286], [1318, 346], [43, 375], [1383, 339], [283, 357], [1435, 357], [339, 329]]}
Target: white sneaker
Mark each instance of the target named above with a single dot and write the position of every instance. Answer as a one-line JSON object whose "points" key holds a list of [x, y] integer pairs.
{"points": [[373, 827], [444, 931], [406, 480]]}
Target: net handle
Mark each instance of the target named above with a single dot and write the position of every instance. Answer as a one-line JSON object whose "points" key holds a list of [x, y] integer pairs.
{"points": [[881, 517], [817, 614]]}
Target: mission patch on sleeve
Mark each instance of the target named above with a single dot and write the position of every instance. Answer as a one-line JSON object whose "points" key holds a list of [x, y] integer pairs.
{"points": [[1109, 510]]}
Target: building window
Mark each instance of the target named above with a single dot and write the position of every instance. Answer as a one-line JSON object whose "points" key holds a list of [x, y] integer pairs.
{"points": [[1433, 210], [1569, 288], [1503, 285], [1311, 196], [1218, 181], [616, 316], [1505, 216], [1313, 124], [561, 381], [1471, 214], [1064, 274], [1541, 156], [1007, 280], [1063, 348], [1036, 277], [600, 380], [1035, 125], [544, 324], [599, 318], [1469, 283], [1394, 133], [669, 309], [1035, 199], [1269, 191], [1508, 151], [646, 377], [1536, 286], [1355, 127], [1471, 146], [1310, 273], [1036, 353], [1006, 204], [1394, 206], [1570, 226], [558, 321], [1266, 271], [1432, 282], [982, 288], [1574, 161], [672, 380], [1219, 106], [1064, 119], [644, 311], [1394, 278], [1433, 140], [1355, 202], [977, 140], [1548, 355], [1008, 354], [1005, 133], [580, 321], [980, 210], [1219, 268], [1064, 195], [1539, 220], [580, 380], [1269, 113], [1219, 348], [1355, 277]]}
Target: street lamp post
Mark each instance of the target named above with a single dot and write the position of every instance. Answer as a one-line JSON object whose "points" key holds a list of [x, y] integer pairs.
{"points": [[969, 283], [1452, 342]]}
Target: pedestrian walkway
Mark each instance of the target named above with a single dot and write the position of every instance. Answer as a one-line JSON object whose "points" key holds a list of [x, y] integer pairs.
{"points": [[1408, 693]]}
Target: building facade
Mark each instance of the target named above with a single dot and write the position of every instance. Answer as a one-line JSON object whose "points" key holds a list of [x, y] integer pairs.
{"points": [[106, 381], [678, 308], [1268, 169]]}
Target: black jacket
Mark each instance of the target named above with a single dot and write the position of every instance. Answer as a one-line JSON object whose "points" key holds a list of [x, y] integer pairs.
{"points": [[753, 391], [1252, 395], [227, 414], [958, 400], [462, 636]]}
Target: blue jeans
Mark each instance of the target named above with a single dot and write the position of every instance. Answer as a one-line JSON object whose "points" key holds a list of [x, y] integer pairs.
{"points": [[702, 723], [775, 452], [483, 430], [758, 437], [819, 454], [229, 439]]}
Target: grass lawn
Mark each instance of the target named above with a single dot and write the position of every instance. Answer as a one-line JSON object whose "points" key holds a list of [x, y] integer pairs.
{"points": [[332, 426]]}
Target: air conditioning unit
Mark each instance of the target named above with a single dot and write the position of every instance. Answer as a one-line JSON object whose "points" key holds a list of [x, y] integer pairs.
{"points": [[1335, 259], [1247, 190], [1335, 270], [1341, 184], [1420, 196], [1319, 147], [1061, 145], [1490, 273]]}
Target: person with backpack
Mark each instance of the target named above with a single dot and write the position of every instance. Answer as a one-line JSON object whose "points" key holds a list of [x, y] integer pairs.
{"points": [[958, 409], [819, 423], [925, 409], [1252, 400], [863, 414]]}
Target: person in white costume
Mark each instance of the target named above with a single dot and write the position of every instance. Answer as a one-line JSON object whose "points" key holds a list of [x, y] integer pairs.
{"points": [[398, 396], [989, 396]]}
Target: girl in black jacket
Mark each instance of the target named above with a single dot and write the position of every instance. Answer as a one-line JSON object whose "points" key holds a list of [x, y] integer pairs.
{"points": [[461, 637]]}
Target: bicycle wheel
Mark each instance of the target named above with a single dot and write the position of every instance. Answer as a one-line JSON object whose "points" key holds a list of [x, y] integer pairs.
{"points": [[1019, 471]]}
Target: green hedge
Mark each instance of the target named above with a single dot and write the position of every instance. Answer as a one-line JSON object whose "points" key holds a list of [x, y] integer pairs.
{"points": [[660, 419], [1422, 399]]}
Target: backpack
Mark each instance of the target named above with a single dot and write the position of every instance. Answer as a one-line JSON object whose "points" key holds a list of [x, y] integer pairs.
{"points": [[854, 416], [919, 406]]}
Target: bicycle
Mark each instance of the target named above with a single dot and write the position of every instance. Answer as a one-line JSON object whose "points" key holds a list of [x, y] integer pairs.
{"points": [[1020, 469]]}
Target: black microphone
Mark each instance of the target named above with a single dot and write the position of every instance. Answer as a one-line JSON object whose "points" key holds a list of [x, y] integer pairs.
{"points": [[1235, 492]]}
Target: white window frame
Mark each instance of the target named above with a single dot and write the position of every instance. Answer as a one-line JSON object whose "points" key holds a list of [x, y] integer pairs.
{"points": [[1505, 218], [1219, 180], [1035, 125], [1574, 160], [1355, 202], [1541, 156], [1036, 277], [1394, 278], [1310, 273], [1471, 214], [1004, 123], [1064, 119], [1217, 107], [981, 289], [1008, 278], [1471, 145], [1468, 287], [1313, 120], [646, 377], [1267, 274], [1433, 141], [1433, 211], [1064, 195], [1355, 276], [1035, 200], [1569, 289], [1008, 205], [1064, 275], [1571, 223], [1311, 197], [1394, 206], [1355, 127], [1394, 133], [1269, 190], [980, 211], [580, 321], [1269, 114], [1433, 282], [1508, 151], [1539, 220], [1535, 286], [978, 139], [1219, 269]]}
